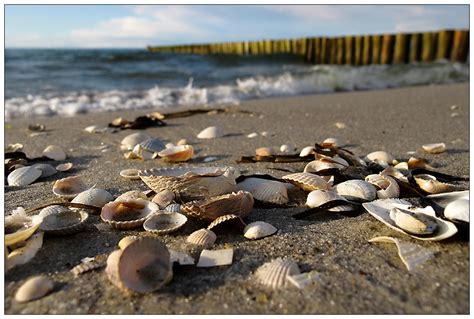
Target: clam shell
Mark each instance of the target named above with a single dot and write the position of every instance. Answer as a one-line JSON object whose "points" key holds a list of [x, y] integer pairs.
{"points": [[163, 198], [320, 196], [381, 208], [69, 187], [178, 153], [46, 169], [430, 185], [129, 141], [164, 223], [264, 151], [131, 173], [64, 222], [227, 219], [143, 266], [381, 157], [274, 274], [258, 230], [265, 190], [443, 199], [388, 185], [434, 148], [173, 208], [129, 218], [211, 132], [307, 151], [356, 190], [307, 181], [152, 145], [239, 204], [23, 176], [54, 152], [131, 195], [416, 224], [324, 163], [64, 167], [94, 197], [34, 288], [202, 237], [377, 180], [458, 210]]}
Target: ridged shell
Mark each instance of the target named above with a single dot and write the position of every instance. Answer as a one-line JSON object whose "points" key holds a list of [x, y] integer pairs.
{"points": [[307, 181], [458, 210], [211, 132], [124, 215], [131, 174], [52, 209], [430, 185], [87, 264], [416, 224], [435, 148], [153, 145], [54, 152], [131, 195], [258, 230], [202, 237], [381, 157], [129, 141], [34, 288], [46, 169], [173, 208], [64, 167], [163, 198], [94, 197], [228, 219], [164, 223], [324, 163], [143, 266], [357, 190], [274, 274], [23, 176], [265, 190], [320, 196], [178, 153], [239, 204], [69, 187], [64, 223], [197, 170]]}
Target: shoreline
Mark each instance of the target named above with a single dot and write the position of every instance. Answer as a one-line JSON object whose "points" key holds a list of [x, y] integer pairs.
{"points": [[357, 277]]}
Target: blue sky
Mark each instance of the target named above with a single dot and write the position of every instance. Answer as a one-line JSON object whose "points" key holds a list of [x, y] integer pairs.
{"points": [[121, 26]]}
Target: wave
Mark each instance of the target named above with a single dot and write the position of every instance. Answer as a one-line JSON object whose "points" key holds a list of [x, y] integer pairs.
{"points": [[311, 80]]}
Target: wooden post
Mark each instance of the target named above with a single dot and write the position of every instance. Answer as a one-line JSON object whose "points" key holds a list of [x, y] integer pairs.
{"points": [[340, 51], [428, 47], [309, 49], [367, 50], [376, 48], [400, 54], [349, 42], [268, 46], [386, 55], [414, 54], [445, 42], [317, 51], [324, 50], [332, 50], [359, 46], [460, 45]]}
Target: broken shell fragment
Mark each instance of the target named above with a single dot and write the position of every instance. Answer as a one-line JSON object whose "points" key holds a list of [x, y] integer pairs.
{"points": [[434, 148], [304, 279], [182, 141], [25, 253], [164, 223], [66, 222], [259, 229], [287, 149], [127, 214], [13, 147], [357, 190], [23, 176], [431, 185], [202, 237], [34, 288], [416, 224], [54, 152], [131, 174], [179, 153], [94, 197], [321, 196], [173, 208], [19, 226], [265, 190], [89, 263], [64, 167], [307, 181], [211, 132], [69, 187], [212, 258], [274, 274]]}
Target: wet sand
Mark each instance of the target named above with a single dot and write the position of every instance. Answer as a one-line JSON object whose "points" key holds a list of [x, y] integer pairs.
{"points": [[357, 277]]}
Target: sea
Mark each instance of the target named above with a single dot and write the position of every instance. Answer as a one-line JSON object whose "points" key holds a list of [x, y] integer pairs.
{"points": [[65, 82]]}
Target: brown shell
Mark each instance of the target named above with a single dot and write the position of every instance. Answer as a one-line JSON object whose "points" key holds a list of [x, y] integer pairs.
{"points": [[202, 237], [127, 214], [228, 219]]}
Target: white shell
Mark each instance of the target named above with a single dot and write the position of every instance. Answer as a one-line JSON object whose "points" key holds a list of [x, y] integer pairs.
{"points": [[14, 147], [173, 208], [265, 190], [381, 157], [181, 258], [319, 197], [333, 141], [182, 141], [211, 132], [163, 198], [202, 237], [388, 185], [129, 141], [131, 195], [431, 185], [285, 148], [307, 151], [23, 176], [212, 258], [357, 190], [54, 152], [413, 223], [435, 148], [304, 279], [131, 174], [46, 169], [52, 209], [24, 254], [69, 187], [34, 288], [325, 163], [443, 199], [252, 135], [258, 230], [307, 181], [64, 167], [164, 223], [179, 153], [142, 153], [94, 197], [458, 210], [274, 274]]}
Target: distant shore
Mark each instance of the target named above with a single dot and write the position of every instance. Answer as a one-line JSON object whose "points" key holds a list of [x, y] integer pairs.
{"points": [[357, 277]]}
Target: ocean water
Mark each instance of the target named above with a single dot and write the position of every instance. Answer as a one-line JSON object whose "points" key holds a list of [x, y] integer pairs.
{"points": [[64, 82]]}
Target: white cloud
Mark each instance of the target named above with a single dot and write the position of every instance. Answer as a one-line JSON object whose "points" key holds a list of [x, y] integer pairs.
{"points": [[311, 12]]}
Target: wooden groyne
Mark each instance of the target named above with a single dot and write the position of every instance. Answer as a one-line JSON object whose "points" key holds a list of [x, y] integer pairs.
{"points": [[355, 50]]}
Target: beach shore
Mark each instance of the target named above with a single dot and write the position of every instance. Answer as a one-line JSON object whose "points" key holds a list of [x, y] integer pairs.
{"points": [[357, 277]]}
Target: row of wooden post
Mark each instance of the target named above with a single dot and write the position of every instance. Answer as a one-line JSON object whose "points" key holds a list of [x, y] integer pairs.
{"points": [[355, 50]]}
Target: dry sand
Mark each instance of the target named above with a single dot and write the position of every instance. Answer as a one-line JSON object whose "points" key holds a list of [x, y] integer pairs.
{"points": [[357, 277]]}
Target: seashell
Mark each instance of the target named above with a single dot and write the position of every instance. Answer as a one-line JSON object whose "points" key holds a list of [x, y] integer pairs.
{"points": [[184, 170], [173, 208], [52, 209], [395, 173], [131, 195], [212, 258], [332, 141], [308, 150], [19, 226], [259, 229], [169, 145], [164, 223], [211, 132], [131, 174], [388, 186], [264, 151], [377, 180], [402, 166], [414, 162], [431, 185], [267, 134], [274, 274], [182, 141], [96, 129], [307, 181], [131, 155], [443, 199], [340, 125], [127, 214], [416, 224], [143, 266], [265, 190], [356, 190], [65, 222], [34, 288], [129, 141], [89, 263], [54, 152], [179, 153], [381, 157], [13, 147], [202, 237], [64, 167], [142, 153], [46, 169], [412, 255], [228, 219], [458, 210], [287, 149], [69, 187], [320, 196], [239, 204], [302, 280], [94, 197], [324, 163], [434, 148], [152, 145], [252, 135], [124, 242], [163, 198], [380, 209], [23, 176], [181, 258], [25, 253]]}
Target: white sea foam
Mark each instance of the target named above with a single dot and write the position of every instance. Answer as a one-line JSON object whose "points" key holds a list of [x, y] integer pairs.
{"points": [[314, 79]]}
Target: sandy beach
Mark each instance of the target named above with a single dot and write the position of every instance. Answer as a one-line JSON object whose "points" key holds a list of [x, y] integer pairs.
{"points": [[357, 277]]}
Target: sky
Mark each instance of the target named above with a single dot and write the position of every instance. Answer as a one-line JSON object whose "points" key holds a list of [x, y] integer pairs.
{"points": [[136, 26]]}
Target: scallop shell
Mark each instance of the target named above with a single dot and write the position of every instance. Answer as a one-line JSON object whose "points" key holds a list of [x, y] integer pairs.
{"points": [[381, 157], [264, 151], [54, 152], [127, 214], [320, 196], [381, 208], [34, 288], [152, 145], [143, 266], [64, 167], [434, 148], [416, 224], [131, 195], [258, 230], [66, 222], [431, 185], [202, 237], [69, 187], [307, 181], [357, 190], [265, 190], [239, 204], [307, 151], [46, 169], [131, 173], [227, 219], [211, 132], [179, 153], [173, 208], [274, 274], [458, 210], [23, 176], [164, 223], [163, 198], [94, 197], [52, 209], [129, 141]]}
